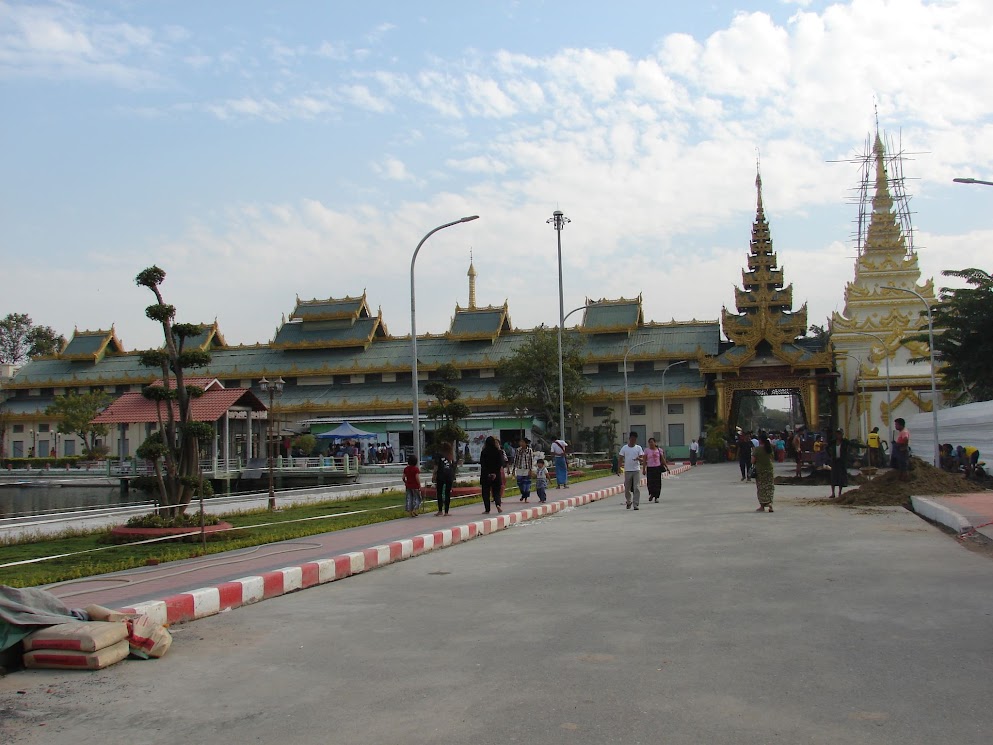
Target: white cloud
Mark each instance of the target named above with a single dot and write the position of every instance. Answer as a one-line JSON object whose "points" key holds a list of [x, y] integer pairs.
{"points": [[393, 169], [63, 41]]}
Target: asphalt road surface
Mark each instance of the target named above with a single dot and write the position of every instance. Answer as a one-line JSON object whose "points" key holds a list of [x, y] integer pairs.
{"points": [[693, 621]]}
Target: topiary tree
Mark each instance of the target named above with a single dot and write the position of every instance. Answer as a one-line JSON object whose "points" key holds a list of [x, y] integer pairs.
{"points": [[174, 449], [447, 409]]}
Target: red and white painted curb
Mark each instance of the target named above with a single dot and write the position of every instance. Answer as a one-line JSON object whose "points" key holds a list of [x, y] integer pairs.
{"points": [[208, 601]]}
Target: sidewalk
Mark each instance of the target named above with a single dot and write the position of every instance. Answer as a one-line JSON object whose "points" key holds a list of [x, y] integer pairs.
{"points": [[965, 513], [165, 592]]}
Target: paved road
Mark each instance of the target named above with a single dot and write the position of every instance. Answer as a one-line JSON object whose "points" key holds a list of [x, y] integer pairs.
{"points": [[694, 621]]}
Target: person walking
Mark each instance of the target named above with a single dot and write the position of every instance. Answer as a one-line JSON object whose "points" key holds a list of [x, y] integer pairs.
{"points": [[797, 443], [656, 465], [443, 476], [560, 449], [744, 443], [764, 473], [838, 453], [694, 451], [412, 482], [633, 457], [491, 474], [509, 451], [524, 467], [541, 479], [901, 448]]}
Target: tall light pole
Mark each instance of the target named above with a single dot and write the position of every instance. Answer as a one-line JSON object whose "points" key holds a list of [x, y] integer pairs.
{"points": [[972, 181], [416, 417], [665, 411], [627, 408], [559, 221], [861, 382], [273, 388], [889, 400], [934, 385], [520, 414]]}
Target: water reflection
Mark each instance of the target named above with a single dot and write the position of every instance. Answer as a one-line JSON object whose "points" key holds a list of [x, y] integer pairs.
{"points": [[40, 500]]}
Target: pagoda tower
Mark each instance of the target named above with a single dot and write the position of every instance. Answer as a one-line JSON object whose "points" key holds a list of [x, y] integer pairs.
{"points": [[877, 318], [768, 353]]}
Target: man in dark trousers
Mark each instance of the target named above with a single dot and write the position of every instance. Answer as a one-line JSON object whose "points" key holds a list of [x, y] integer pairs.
{"points": [[838, 457]]}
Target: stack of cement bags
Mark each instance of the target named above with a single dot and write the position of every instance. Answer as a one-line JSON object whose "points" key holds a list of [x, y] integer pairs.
{"points": [[81, 645]]}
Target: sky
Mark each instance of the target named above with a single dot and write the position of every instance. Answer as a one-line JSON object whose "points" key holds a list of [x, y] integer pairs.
{"points": [[262, 151]]}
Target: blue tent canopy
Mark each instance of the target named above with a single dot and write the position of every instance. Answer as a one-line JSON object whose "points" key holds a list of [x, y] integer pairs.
{"points": [[346, 431]]}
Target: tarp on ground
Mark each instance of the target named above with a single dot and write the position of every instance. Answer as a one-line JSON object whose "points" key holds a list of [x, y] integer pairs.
{"points": [[22, 610], [346, 431], [969, 425]]}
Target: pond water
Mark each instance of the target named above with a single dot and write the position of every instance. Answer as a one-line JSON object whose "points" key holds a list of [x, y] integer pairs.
{"points": [[40, 500]]}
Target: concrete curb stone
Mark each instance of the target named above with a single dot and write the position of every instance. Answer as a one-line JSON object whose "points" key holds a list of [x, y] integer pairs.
{"points": [[939, 513]]}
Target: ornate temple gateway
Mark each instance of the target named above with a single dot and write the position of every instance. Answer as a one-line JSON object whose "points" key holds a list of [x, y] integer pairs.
{"points": [[881, 311], [767, 353]]}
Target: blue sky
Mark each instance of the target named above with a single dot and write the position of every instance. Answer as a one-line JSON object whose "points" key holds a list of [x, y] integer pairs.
{"points": [[257, 151]]}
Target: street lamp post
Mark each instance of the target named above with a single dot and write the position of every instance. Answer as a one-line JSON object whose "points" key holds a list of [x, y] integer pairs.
{"points": [[627, 408], [861, 382], [520, 414], [889, 400], [665, 410], [416, 417], [273, 388], [559, 221], [934, 385], [972, 181]]}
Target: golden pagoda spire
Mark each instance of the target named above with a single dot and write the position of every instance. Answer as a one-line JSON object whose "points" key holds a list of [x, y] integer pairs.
{"points": [[472, 282], [884, 230]]}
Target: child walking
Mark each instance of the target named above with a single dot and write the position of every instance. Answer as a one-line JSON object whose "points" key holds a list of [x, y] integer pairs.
{"points": [[541, 479], [412, 480]]}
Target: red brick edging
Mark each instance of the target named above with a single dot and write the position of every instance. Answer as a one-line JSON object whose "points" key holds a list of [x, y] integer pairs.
{"points": [[208, 601]]}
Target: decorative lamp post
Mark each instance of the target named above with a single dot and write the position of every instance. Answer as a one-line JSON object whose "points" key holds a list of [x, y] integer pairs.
{"points": [[416, 416], [273, 388], [889, 399], [520, 414], [934, 385], [627, 409], [861, 383], [559, 221], [665, 410]]}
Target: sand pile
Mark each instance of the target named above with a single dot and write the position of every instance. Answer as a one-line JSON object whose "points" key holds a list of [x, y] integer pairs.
{"points": [[925, 479]]}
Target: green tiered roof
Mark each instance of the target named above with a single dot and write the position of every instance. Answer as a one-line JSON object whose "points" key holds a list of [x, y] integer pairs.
{"points": [[612, 316], [92, 346], [478, 324]]}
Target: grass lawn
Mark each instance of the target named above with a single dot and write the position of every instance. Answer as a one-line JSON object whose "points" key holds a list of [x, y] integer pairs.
{"points": [[92, 552]]}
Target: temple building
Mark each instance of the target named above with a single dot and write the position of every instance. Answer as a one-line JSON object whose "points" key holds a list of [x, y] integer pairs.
{"points": [[768, 352], [881, 311], [339, 362]]}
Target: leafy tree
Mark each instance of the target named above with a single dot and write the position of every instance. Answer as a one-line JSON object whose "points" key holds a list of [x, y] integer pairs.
{"points": [[447, 408], [963, 341], [21, 339], [173, 449], [75, 413], [602, 436], [531, 374], [306, 443]]}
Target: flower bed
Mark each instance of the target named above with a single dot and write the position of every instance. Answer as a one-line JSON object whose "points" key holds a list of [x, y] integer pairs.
{"points": [[125, 532]]}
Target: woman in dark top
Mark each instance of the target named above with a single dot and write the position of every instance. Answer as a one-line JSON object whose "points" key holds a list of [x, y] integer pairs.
{"points": [[444, 477], [491, 474]]}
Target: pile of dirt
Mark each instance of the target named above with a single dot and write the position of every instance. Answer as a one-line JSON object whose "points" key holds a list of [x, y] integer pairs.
{"points": [[888, 489], [820, 477]]}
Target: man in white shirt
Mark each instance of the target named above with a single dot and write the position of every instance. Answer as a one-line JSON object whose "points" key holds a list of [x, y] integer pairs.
{"points": [[694, 451], [559, 449], [633, 458]]}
